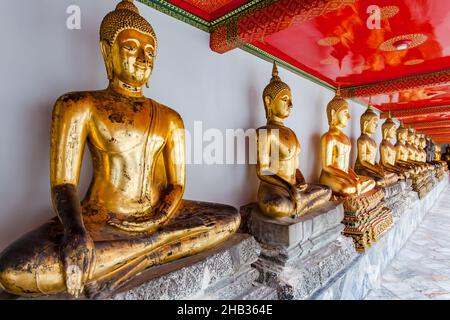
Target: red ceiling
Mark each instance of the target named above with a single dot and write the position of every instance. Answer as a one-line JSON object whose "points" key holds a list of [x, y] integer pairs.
{"points": [[332, 40], [412, 98], [353, 56]]}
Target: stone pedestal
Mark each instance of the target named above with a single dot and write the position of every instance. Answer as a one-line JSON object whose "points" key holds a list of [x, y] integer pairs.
{"points": [[299, 255], [399, 197], [223, 272]]}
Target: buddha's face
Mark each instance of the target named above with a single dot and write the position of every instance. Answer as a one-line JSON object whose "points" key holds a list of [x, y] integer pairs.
{"points": [[371, 125], [416, 140], [423, 142], [411, 137], [389, 131], [342, 117], [131, 57], [281, 106], [402, 135]]}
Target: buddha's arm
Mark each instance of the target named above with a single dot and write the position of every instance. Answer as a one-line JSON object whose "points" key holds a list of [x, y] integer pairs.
{"points": [[68, 136], [175, 164]]}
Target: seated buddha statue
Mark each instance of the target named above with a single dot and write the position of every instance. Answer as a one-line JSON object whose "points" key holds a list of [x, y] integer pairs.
{"points": [[438, 156], [367, 152], [430, 149], [282, 191], [421, 144], [446, 155], [387, 150], [413, 151], [133, 215], [336, 146], [402, 152]]}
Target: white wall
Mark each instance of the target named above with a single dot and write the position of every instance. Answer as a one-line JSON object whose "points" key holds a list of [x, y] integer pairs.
{"points": [[41, 59]]}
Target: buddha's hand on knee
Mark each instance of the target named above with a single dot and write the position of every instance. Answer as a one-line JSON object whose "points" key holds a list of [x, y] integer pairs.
{"points": [[147, 224], [78, 256], [302, 187], [297, 195]]}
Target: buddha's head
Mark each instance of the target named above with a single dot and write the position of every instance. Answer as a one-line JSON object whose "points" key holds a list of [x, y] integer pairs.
{"points": [[389, 129], [128, 45], [422, 142], [402, 134], [417, 140], [369, 121], [338, 113], [277, 97], [411, 136]]}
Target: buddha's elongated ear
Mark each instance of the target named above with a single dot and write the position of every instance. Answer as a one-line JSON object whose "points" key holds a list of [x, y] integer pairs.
{"points": [[267, 103], [106, 52], [365, 125], [333, 115]]}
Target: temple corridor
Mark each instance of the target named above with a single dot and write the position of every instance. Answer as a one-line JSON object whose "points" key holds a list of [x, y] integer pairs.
{"points": [[421, 270]]}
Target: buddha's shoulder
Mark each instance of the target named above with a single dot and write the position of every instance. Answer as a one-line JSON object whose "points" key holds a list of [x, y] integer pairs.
{"points": [[332, 135], [166, 112], [73, 103], [77, 97]]}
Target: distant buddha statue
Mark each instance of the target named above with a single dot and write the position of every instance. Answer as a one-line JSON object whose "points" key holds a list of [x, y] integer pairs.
{"points": [[413, 151], [367, 152], [446, 155], [402, 151], [283, 190], [336, 146], [133, 215], [387, 150]]}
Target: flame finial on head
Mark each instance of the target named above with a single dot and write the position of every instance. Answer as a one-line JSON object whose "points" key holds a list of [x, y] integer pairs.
{"points": [[275, 85]]}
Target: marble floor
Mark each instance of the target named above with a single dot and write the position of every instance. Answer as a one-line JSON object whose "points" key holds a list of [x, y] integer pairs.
{"points": [[421, 270]]}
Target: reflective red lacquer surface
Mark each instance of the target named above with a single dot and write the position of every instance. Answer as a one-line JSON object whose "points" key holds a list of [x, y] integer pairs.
{"points": [[346, 47]]}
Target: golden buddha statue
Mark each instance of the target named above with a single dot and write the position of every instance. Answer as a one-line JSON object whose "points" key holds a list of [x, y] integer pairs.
{"points": [[133, 215], [413, 151], [437, 153], [387, 150], [422, 146], [336, 146], [438, 156], [446, 156], [402, 151], [367, 152], [283, 190]]}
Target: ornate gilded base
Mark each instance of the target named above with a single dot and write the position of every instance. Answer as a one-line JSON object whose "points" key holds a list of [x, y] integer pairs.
{"points": [[366, 218], [362, 202], [423, 183], [399, 197]]}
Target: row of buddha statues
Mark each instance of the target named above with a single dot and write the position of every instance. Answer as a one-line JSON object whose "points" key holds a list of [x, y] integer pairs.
{"points": [[133, 216]]}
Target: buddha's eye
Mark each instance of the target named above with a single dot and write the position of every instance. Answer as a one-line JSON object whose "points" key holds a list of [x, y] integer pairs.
{"points": [[129, 48]]}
